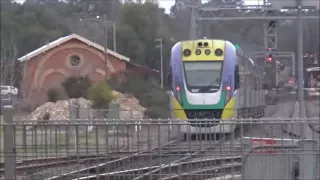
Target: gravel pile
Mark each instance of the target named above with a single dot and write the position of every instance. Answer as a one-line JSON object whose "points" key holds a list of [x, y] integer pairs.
{"points": [[129, 108], [57, 111]]}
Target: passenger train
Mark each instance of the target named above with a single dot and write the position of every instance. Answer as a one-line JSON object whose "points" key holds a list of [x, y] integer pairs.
{"points": [[213, 79]]}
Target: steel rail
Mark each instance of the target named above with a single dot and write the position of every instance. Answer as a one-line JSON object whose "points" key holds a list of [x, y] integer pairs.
{"points": [[183, 159], [207, 172], [124, 174], [32, 168], [311, 125], [111, 164]]}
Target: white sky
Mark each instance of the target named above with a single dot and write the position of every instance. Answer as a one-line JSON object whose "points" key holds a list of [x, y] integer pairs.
{"points": [[168, 3]]}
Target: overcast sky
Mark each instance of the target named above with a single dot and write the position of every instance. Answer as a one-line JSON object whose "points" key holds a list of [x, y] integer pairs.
{"points": [[168, 3]]}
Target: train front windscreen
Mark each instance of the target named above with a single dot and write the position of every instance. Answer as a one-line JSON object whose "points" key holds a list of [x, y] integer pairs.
{"points": [[203, 76]]}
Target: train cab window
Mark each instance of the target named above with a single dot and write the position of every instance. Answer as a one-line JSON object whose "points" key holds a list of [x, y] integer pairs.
{"points": [[236, 78], [203, 75]]}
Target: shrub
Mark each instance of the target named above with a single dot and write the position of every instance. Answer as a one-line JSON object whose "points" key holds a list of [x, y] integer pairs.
{"points": [[101, 95], [155, 112], [54, 95], [151, 96], [76, 86], [115, 83], [46, 116]]}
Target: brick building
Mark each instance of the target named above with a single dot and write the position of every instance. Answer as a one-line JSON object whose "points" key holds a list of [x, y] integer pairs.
{"points": [[49, 65]]}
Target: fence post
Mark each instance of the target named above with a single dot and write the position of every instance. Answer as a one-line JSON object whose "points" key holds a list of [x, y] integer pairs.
{"points": [[113, 113], [308, 165], [9, 148], [70, 129]]}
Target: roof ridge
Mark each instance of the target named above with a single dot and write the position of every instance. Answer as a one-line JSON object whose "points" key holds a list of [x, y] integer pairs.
{"points": [[64, 39]]}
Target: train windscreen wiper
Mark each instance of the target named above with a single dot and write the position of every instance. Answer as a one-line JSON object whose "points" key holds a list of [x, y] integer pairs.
{"points": [[210, 85]]}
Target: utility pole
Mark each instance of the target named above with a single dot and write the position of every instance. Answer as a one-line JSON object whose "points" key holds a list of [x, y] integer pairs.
{"points": [[160, 46], [193, 23], [114, 37], [105, 22], [300, 58], [105, 46], [194, 5]]}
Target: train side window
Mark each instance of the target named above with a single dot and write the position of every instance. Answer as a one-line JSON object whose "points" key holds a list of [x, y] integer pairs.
{"points": [[236, 78]]}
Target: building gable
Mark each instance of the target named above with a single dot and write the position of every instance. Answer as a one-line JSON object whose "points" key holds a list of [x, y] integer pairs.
{"points": [[62, 40]]}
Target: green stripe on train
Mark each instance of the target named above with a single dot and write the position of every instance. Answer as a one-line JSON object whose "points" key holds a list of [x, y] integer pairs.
{"points": [[188, 106]]}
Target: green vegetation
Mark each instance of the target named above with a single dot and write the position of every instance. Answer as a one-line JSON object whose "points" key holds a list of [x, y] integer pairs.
{"points": [[77, 86], [27, 27], [149, 94], [101, 95]]}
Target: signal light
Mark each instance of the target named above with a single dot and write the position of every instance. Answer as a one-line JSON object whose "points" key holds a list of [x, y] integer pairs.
{"points": [[228, 88], [269, 58], [178, 88], [291, 80]]}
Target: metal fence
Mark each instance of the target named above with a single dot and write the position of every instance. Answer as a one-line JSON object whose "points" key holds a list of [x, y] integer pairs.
{"points": [[113, 112], [154, 149]]}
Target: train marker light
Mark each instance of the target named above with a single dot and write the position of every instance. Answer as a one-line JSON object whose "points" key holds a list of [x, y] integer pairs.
{"points": [[218, 52], [198, 52], [207, 51], [187, 52], [178, 88], [205, 44]]}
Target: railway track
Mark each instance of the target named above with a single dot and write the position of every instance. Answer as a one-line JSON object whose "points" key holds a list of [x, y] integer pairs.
{"points": [[173, 160], [32, 165], [315, 125], [186, 159], [109, 166]]}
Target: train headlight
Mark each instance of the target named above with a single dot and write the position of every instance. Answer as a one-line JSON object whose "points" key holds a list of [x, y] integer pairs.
{"points": [[179, 95], [228, 88], [207, 51], [218, 52], [228, 93], [187, 52], [198, 52]]}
